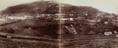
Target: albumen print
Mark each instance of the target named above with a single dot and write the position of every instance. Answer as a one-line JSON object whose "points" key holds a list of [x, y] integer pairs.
{"points": [[58, 24]]}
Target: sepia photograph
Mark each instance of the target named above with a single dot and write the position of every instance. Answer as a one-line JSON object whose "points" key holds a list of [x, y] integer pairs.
{"points": [[58, 24]]}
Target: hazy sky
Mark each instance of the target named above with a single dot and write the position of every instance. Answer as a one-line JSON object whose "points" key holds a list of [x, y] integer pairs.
{"points": [[110, 6]]}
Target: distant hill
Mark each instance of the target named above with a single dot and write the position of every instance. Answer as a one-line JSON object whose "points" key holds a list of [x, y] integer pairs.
{"points": [[87, 20]]}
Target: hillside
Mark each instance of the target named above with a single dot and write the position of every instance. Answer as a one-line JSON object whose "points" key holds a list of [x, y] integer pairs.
{"points": [[41, 22]]}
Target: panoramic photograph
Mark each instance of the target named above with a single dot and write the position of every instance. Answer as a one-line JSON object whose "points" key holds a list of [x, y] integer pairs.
{"points": [[58, 24]]}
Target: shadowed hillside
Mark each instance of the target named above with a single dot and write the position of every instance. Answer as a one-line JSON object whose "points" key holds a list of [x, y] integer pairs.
{"points": [[81, 25]]}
